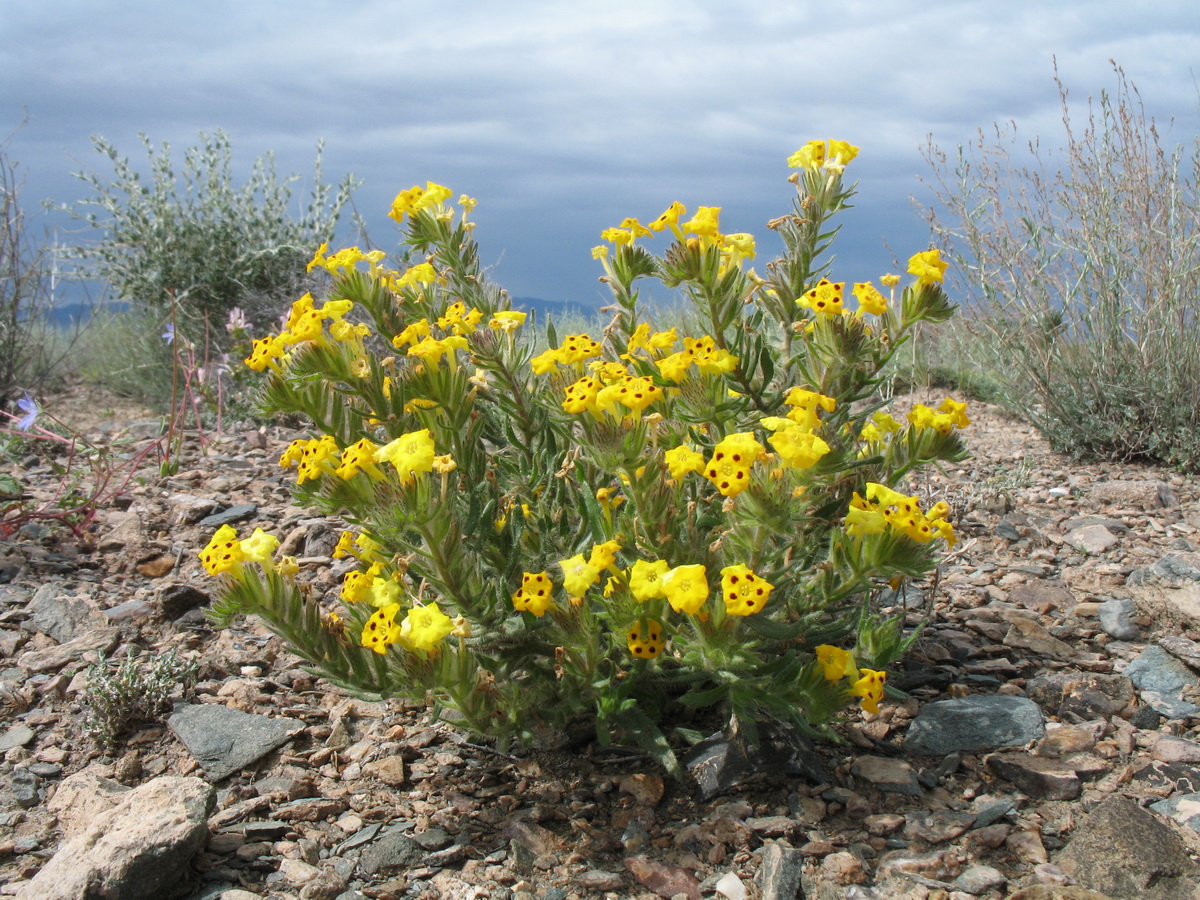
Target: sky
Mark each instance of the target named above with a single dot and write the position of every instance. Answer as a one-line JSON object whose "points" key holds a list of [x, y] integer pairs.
{"points": [[564, 118]]}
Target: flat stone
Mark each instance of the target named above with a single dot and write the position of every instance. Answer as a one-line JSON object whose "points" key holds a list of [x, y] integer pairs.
{"points": [[1146, 495], [724, 760], [25, 788], [1057, 892], [102, 639], [1088, 695], [1163, 682], [177, 599], [59, 616], [17, 736], [189, 509], [1184, 809], [1168, 589], [1027, 634], [1092, 539], [665, 880], [138, 850], [1171, 749], [1117, 619], [937, 827], [980, 879], [391, 852], [892, 775], [228, 516], [1040, 778], [1125, 851], [1043, 596], [976, 722], [224, 740]]}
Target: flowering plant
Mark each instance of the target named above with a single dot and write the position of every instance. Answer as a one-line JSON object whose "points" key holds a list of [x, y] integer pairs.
{"points": [[619, 524]]}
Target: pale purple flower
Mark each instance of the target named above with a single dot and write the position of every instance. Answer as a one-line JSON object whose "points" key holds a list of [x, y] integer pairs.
{"points": [[237, 320], [169, 334], [28, 406]]}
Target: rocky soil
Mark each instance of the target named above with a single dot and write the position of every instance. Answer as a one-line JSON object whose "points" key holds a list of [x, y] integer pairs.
{"points": [[1049, 745]]}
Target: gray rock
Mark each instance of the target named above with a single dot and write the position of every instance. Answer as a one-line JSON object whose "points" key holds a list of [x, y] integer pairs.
{"points": [[1087, 695], [725, 759], [102, 639], [779, 873], [17, 736], [1137, 494], [1186, 651], [1161, 681], [1168, 589], [138, 850], [1183, 808], [977, 722], [228, 516], [1117, 619], [1043, 595], [25, 788], [892, 775], [63, 618], [1043, 779], [979, 879], [393, 851], [189, 509], [126, 531], [81, 799], [1092, 539], [224, 740], [1122, 850], [177, 599]]}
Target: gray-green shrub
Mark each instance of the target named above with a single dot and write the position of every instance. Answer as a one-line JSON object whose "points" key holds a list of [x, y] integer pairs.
{"points": [[1082, 269], [200, 239]]}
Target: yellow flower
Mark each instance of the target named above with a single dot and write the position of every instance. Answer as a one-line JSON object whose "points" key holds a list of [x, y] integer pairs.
{"points": [[864, 518], [840, 153], [581, 395], [645, 579], [743, 591], [686, 588], [604, 556], [708, 357], [956, 411], [870, 688], [638, 393], [444, 464], [836, 663], [259, 548], [431, 350], [729, 467], [287, 567], [381, 629], [223, 553], [928, 266], [618, 236], [507, 320], [869, 299], [318, 257], [424, 627], [576, 348], [412, 334], [705, 223], [600, 251], [359, 456], [825, 298], [411, 454], [316, 457], [675, 366], [579, 575], [545, 361], [646, 639], [266, 352], [889, 280], [810, 156], [683, 459], [797, 447], [669, 217], [535, 595], [357, 586]]}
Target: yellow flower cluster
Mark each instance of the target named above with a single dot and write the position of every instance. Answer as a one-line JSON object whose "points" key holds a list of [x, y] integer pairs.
{"points": [[884, 510], [417, 198], [950, 415], [225, 553], [304, 323], [574, 349], [867, 684], [704, 227], [410, 454], [830, 155], [422, 630]]}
